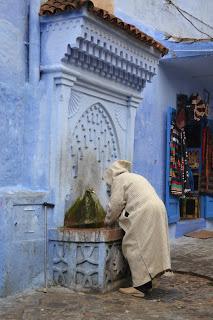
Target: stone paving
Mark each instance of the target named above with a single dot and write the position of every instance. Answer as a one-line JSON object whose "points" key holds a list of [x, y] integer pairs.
{"points": [[193, 255], [178, 297]]}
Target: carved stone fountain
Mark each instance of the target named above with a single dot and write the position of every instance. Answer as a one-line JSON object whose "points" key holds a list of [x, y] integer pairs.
{"points": [[94, 67], [87, 259], [87, 256]]}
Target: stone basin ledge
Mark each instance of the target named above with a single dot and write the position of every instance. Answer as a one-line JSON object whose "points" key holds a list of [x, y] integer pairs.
{"points": [[86, 234], [87, 260]]}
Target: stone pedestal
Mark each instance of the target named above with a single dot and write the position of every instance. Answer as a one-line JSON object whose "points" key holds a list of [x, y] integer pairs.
{"points": [[87, 260]]}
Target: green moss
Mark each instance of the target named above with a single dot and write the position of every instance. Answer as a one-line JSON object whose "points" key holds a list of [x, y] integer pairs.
{"points": [[86, 212]]}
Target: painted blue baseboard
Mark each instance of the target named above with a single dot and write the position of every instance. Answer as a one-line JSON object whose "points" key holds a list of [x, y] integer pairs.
{"points": [[186, 226], [209, 224]]}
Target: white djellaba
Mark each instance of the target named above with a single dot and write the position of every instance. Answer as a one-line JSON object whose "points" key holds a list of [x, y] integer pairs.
{"points": [[142, 215]]}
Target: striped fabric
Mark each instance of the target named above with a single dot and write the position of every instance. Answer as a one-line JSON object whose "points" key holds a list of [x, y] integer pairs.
{"points": [[179, 176]]}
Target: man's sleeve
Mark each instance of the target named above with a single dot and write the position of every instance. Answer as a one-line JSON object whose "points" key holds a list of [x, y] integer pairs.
{"points": [[116, 203]]}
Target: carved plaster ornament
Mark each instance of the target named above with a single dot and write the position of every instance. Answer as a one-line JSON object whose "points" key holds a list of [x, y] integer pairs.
{"points": [[94, 133]]}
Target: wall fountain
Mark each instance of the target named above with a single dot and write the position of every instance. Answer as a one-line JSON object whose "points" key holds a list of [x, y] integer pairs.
{"points": [[94, 67]]}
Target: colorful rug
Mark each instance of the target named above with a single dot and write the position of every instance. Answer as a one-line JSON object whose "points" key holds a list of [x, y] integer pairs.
{"points": [[200, 234]]}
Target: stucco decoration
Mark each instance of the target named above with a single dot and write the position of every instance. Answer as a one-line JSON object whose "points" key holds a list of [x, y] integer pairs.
{"points": [[102, 53], [95, 47], [99, 72], [74, 103], [94, 133]]}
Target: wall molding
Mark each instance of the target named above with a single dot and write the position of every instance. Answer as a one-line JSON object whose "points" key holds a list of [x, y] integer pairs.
{"points": [[101, 50], [88, 83]]}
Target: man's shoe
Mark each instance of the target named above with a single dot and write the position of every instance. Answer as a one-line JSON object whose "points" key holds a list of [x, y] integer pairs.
{"points": [[132, 291]]}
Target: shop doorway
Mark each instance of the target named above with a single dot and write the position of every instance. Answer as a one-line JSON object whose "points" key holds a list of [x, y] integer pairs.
{"points": [[190, 203], [186, 158]]}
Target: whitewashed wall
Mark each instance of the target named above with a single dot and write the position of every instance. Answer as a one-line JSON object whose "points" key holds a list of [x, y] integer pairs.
{"points": [[163, 17]]}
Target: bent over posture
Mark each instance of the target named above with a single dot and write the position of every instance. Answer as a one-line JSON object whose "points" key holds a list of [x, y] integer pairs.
{"points": [[142, 215]]}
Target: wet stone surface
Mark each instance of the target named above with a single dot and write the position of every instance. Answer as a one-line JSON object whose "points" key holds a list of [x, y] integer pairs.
{"points": [[177, 297]]}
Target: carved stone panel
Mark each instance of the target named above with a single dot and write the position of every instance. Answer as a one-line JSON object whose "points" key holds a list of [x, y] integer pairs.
{"points": [[94, 265], [60, 265], [87, 266]]}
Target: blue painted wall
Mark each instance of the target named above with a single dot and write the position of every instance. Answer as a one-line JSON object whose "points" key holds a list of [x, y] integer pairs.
{"points": [[24, 140], [13, 63], [23, 133], [22, 169]]}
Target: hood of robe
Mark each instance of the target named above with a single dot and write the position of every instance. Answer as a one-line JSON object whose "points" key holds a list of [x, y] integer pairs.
{"points": [[118, 167]]}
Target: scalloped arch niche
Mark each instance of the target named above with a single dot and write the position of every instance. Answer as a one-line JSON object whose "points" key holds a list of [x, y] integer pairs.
{"points": [[94, 145]]}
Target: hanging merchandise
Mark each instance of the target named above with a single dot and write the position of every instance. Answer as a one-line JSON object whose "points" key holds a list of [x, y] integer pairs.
{"points": [[206, 186], [199, 107], [179, 169], [194, 159]]}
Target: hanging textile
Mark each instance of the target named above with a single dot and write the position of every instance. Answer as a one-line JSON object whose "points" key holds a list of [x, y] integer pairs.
{"points": [[200, 108], [206, 185], [179, 169]]}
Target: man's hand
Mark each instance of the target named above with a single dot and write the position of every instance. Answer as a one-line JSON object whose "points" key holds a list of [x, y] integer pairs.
{"points": [[107, 221]]}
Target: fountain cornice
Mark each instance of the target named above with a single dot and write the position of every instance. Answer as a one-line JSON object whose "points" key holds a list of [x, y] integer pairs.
{"points": [[81, 41]]}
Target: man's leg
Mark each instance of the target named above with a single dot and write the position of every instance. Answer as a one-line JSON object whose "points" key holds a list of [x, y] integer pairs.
{"points": [[145, 288], [140, 291]]}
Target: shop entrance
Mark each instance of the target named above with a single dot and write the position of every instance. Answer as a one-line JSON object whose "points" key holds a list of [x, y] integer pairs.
{"points": [[188, 156], [190, 202]]}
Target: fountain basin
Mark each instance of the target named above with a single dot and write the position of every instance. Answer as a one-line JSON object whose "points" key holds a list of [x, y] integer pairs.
{"points": [[87, 260]]}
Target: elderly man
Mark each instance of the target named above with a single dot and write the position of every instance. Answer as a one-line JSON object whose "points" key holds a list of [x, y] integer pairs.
{"points": [[142, 216]]}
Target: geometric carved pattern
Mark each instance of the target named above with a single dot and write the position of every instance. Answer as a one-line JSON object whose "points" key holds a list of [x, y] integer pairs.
{"points": [[60, 265], [87, 266], [94, 132], [116, 266], [117, 68], [111, 59], [96, 49], [73, 106]]}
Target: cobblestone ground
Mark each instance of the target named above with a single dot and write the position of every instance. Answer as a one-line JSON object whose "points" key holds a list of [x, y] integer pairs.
{"points": [[193, 255], [180, 297]]}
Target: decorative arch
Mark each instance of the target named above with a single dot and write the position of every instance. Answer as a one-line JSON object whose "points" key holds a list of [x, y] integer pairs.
{"points": [[94, 132]]}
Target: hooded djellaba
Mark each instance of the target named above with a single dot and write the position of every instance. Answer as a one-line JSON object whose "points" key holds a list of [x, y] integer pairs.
{"points": [[142, 216]]}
